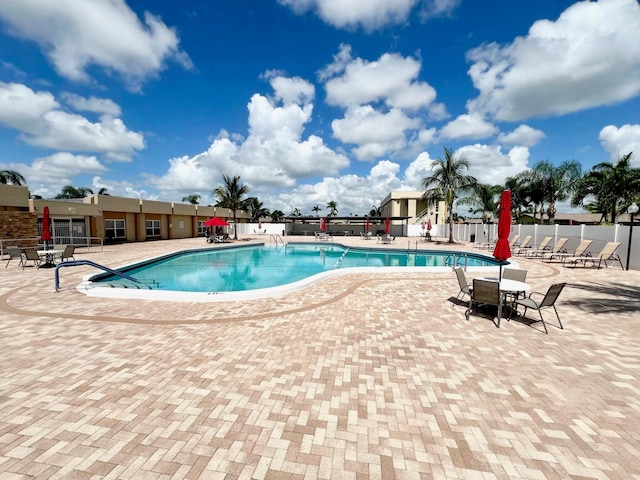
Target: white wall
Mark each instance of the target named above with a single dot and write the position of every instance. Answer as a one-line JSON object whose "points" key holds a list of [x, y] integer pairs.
{"points": [[600, 234]]}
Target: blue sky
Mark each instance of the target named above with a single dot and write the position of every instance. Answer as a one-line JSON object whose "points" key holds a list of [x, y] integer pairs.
{"points": [[310, 101]]}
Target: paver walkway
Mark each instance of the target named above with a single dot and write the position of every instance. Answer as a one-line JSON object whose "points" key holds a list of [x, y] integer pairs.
{"points": [[356, 377]]}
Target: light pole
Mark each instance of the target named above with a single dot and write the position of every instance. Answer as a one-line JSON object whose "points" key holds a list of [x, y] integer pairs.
{"points": [[632, 210]]}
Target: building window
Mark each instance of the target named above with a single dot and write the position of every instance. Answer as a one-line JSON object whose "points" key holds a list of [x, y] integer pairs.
{"points": [[153, 228], [201, 228], [114, 229]]}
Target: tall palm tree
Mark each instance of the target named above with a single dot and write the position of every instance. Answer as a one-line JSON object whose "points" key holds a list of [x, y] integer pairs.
{"points": [[296, 212], [230, 195], [484, 198], [612, 187], [316, 208], [448, 179], [11, 177], [557, 182], [69, 191], [193, 199], [333, 208], [256, 209], [277, 215]]}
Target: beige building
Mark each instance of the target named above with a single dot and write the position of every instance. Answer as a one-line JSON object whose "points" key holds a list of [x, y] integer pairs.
{"points": [[415, 206], [102, 218]]}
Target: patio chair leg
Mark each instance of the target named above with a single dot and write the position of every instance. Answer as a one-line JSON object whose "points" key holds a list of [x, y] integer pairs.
{"points": [[543, 324], [558, 316]]}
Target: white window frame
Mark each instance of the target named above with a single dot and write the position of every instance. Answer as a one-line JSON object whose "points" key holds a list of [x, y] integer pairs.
{"points": [[115, 225], [152, 228]]}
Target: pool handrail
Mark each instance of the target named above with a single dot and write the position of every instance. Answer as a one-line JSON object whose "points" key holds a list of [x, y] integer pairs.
{"points": [[72, 263]]}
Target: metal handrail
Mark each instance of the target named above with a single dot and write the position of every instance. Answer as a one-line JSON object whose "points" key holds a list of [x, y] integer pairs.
{"points": [[72, 263], [76, 241]]}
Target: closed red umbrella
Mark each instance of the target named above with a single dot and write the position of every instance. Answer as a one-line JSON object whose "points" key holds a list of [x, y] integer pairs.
{"points": [[46, 227], [387, 226], [323, 224], [429, 225], [366, 227], [502, 251]]}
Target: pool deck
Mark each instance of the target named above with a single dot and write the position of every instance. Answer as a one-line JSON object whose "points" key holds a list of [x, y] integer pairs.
{"points": [[360, 376]]}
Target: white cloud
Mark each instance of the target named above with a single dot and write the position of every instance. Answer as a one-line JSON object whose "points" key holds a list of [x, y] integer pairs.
{"points": [[376, 133], [469, 127], [575, 63], [47, 175], [523, 135], [391, 79], [37, 115], [367, 14], [438, 8], [92, 104], [274, 153], [382, 100], [77, 34], [489, 165], [619, 141]]}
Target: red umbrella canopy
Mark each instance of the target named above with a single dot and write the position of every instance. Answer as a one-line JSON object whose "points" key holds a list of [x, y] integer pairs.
{"points": [[502, 250], [387, 225], [215, 222], [46, 225], [323, 224], [429, 225]]}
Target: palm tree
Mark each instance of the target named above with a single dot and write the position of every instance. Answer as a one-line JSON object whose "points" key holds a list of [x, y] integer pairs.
{"points": [[447, 181], [256, 209], [612, 187], [69, 191], [103, 191], [333, 208], [557, 182], [375, 211], [11, 177], [316, 208], [484, 198], [277, 215], [296, 212], [230, 195], [193, 199]]}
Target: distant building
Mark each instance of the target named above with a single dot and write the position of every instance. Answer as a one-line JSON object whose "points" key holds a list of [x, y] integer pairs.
{"points": [[105, 218], [415, 206]]}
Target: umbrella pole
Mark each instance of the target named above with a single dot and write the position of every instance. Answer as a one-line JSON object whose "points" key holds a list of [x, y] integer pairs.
{"points": [[500, 276]]}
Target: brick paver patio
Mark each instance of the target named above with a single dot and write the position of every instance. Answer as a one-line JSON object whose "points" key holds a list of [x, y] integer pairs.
{"points": [[357, 377]]}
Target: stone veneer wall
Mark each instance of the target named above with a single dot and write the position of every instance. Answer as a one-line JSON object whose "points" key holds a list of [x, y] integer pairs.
{"points": [[19, 225]]}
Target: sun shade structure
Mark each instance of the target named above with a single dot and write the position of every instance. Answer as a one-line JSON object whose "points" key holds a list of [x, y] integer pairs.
{"points": [[216, 222], [502, 251]]}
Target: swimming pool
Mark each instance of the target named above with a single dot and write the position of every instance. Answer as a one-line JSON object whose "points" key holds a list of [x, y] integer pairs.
{"points": [[263, 270]]}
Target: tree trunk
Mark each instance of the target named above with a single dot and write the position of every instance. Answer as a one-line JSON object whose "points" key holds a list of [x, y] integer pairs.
{"points": [[451, 223]]}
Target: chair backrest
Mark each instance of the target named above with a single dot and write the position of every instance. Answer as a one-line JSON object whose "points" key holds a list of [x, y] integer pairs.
{"points": [[14, 252], [515, 274], [608, 250], [486, 291], [552, 294], [514, 240], [559, 244], [462, 278], [543, 244], [582, 248], [31, 254], [525, 242], [68, 251]]}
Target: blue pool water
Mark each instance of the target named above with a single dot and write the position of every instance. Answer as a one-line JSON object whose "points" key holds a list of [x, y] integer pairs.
{"points": [[264, 266]]}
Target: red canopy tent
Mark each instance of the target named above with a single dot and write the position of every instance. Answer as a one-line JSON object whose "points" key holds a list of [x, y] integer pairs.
{"points": [[502, 251]]}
